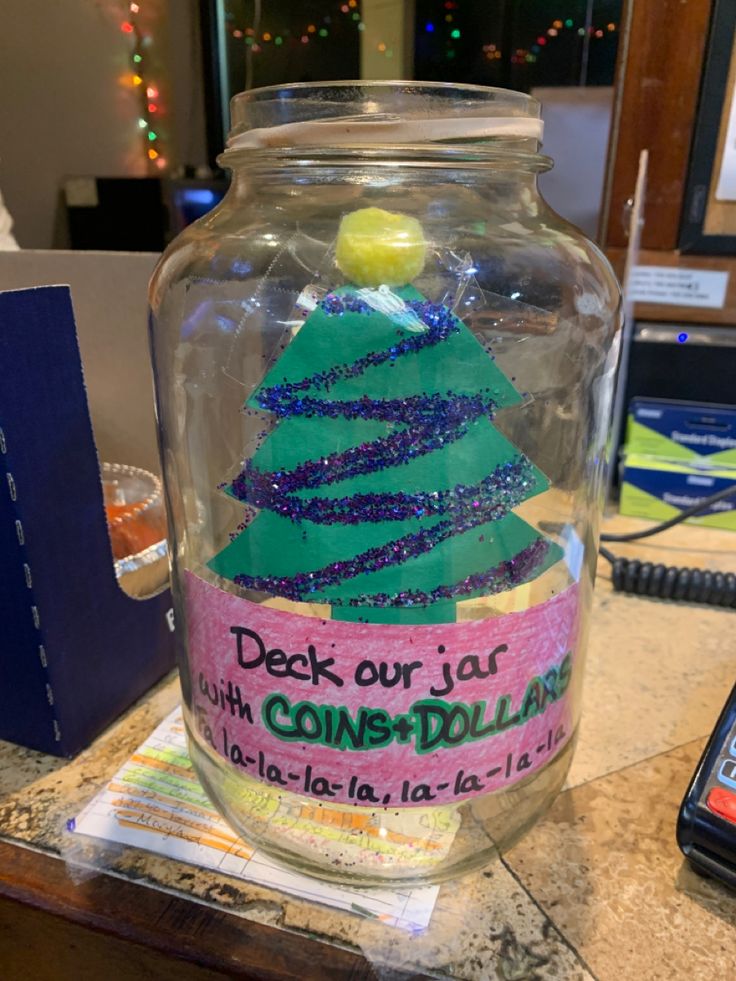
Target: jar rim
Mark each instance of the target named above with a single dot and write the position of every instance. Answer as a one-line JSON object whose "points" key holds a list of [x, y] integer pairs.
{"points": [[386, 83], [363, 112]]}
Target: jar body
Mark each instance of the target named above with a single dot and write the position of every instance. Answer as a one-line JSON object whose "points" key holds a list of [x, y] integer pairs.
{"points": [[379, 685]]}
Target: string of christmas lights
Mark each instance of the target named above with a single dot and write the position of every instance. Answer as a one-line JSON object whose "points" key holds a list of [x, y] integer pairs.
{"points": [[519, 56], [148, 93], [309, 32], [257, 40], [556, 29]]}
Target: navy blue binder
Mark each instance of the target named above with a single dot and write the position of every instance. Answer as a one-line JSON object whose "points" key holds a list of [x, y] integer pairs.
{"points": [[75, 650]]}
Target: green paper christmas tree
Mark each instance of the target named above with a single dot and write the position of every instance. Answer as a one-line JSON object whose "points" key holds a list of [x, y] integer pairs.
{"points": [[384, 488]]}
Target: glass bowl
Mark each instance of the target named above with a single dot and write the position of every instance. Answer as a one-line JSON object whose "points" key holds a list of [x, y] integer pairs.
{"points": [[136, 521]]}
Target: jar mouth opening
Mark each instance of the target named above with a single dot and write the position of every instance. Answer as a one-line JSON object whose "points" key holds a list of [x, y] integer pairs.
{"points": [[359, 114]]}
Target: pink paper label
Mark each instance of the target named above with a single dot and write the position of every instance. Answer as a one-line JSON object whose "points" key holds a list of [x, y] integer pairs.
{"points": [[379, 714]]}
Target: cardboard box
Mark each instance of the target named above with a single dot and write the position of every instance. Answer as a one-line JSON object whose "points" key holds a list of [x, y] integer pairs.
{"points": [[75, 650], [677, 454], [682, 431], [660, 489]]}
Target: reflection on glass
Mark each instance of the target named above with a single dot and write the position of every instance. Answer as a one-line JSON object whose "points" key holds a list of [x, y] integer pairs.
{"points": [[518, 44], [563, 53], [288, 41]]}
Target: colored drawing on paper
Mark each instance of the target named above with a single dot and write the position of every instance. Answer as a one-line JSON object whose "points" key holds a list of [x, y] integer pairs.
{"points": [[401, 716], [385, 490], [155, 802]]}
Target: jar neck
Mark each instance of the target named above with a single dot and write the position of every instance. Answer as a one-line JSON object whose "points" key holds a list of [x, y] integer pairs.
{"points": [[271, 175]]}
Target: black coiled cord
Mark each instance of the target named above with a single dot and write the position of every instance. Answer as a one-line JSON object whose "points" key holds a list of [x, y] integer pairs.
{"points": [[671, 582]]}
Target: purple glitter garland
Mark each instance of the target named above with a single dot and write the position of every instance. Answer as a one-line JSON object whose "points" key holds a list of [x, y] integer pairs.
{"points": [[372, 560], [499, 493], [429, 410], [432, 422], [504, 576], [438, 320]]}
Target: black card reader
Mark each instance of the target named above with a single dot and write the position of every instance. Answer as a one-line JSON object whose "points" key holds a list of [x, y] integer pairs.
{"points": [[706, 825]]}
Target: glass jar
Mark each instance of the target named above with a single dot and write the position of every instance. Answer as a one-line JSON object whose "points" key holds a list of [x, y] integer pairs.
{"points": [[383, 373]]}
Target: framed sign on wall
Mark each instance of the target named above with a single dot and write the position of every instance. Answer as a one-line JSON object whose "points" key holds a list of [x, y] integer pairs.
{"points": [[709, 207]]}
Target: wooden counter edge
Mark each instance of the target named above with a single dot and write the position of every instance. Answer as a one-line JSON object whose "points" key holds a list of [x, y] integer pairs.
{"points": [[179, 928]]}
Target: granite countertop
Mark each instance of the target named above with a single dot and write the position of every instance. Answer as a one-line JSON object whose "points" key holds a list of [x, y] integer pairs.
{"points": [[598, 889]]}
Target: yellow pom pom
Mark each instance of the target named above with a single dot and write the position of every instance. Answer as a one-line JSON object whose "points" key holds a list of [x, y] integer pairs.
{"points": [[377, 248]]}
